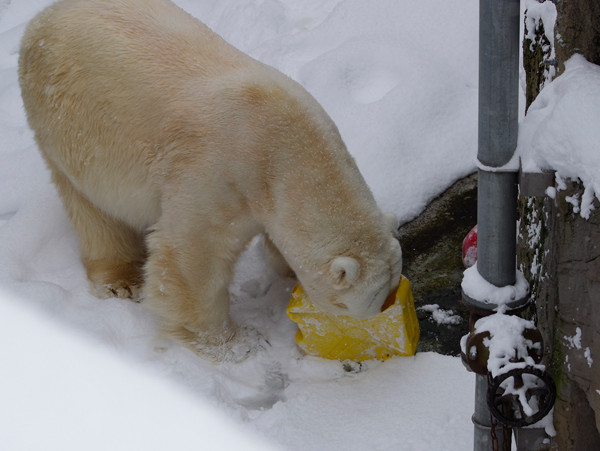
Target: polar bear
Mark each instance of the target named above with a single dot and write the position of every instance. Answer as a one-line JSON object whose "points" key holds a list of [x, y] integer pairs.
{"points": [[171, 149]]}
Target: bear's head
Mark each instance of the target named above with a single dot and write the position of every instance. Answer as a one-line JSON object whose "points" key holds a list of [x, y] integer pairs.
{"points": [[357, 283]]}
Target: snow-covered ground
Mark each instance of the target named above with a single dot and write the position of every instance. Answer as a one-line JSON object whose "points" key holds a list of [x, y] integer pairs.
{"points": [[399, 78]]}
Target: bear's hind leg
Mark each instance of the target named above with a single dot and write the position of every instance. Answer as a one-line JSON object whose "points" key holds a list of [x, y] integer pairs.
{"points": [[113, 253]]}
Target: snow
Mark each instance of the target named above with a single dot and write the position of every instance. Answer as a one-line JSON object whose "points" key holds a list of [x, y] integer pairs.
{"points": [[542, 15], [69, 393], [400, 80], [588, 356], [476, 287], [574, 342], [506, 342], [560, 131], [440, 315]]}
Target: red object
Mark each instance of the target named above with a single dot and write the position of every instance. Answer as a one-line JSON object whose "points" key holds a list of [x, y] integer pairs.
{"points": [[469, 248]]}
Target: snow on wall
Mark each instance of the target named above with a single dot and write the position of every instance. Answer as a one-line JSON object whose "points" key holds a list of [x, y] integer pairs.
{"points": [[561, 132], [542, 16]]}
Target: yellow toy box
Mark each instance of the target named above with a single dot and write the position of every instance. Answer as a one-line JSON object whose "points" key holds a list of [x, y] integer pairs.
{"points": [[395, 331]]}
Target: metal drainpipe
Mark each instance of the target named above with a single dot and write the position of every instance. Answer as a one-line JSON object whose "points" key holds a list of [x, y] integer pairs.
{"points": [[499, 22]]}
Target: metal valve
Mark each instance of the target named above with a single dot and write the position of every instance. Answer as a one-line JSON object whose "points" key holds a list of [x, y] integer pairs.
{"points": [[521, 397], [476, 352], [522, 392]]}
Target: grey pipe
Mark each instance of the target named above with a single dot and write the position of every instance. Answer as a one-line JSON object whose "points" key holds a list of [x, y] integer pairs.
{"points": [[498, 80], [498, 130], [499, 22], [497, 229], [486, 436]]}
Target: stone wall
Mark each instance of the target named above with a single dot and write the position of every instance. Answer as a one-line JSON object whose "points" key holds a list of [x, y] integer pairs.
{"points": [[559, 252], [577, 30]]}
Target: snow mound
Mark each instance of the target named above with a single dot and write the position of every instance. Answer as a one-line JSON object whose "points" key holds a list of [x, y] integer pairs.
{"points": [[560, 130], [78, 395]]}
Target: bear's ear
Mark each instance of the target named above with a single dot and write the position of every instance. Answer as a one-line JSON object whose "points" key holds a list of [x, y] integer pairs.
{"points": [[396, 252], [392, 223], [344, 271]]}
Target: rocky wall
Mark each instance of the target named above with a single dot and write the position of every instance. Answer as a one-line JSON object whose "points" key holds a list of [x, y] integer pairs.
{"points": [[558, 249], [559, 252], [431, 248]]}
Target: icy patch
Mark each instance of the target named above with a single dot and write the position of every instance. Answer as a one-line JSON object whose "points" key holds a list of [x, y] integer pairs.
{"points": [[470, 257]]}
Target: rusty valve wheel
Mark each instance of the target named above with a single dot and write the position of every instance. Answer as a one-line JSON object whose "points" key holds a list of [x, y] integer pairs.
{"points": [[521, 397], [477, 355]]}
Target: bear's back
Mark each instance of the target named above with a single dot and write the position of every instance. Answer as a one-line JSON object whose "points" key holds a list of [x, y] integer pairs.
{"points": [[144, 41], [109, 87]]}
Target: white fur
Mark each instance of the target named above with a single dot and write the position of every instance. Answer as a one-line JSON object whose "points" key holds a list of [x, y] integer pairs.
{"points": [[171, 150]]}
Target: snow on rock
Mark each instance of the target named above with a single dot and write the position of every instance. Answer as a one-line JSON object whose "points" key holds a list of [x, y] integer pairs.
{"points": [[560, 130], [439, 315], [542, 15], [574, 342]]}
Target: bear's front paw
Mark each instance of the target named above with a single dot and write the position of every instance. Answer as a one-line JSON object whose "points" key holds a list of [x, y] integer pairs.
{"points": [[119, 289], [121, 280], [234, 346]]}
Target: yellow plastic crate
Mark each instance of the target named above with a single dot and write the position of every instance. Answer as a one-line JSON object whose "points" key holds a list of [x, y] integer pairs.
{"points": [[395, 331]]}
